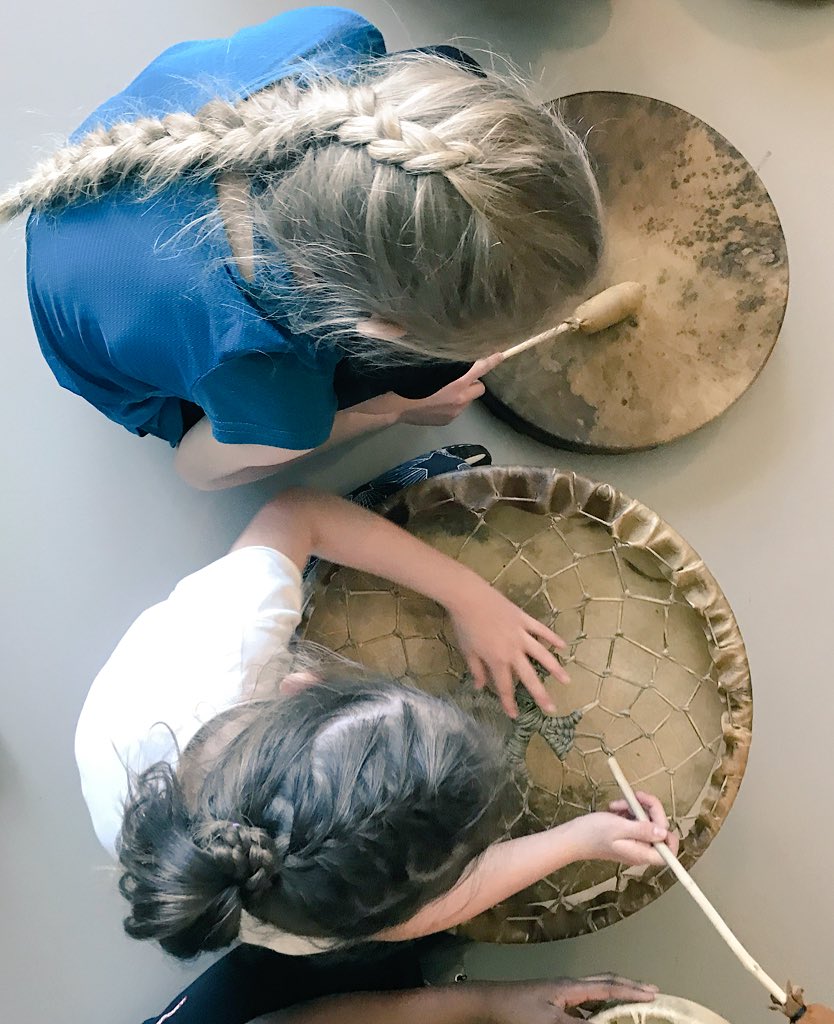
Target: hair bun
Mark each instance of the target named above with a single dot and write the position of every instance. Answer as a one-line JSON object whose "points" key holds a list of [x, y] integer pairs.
{"points": [[247, 853]]}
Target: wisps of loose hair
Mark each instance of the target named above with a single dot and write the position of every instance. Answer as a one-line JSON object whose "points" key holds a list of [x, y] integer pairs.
{"points": [[335, 812], [450, 203]]}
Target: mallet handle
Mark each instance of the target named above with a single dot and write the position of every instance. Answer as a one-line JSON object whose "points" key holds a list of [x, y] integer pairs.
{"points": [[537, 339], [696, 893]]}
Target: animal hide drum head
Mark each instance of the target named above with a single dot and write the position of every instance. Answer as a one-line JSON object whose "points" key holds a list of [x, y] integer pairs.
{"points": [[687, 216]]}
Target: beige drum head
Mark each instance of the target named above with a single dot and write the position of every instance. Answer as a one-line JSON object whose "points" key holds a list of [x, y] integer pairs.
{"points": [[687, 216], [659, 672], [664, 1010]]}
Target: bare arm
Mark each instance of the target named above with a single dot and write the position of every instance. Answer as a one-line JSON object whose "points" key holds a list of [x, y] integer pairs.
{"points": [[501, 872], [496, 637], [533, 1002], [507, 868], [210, 465], [459, 1004], [301, 522]]}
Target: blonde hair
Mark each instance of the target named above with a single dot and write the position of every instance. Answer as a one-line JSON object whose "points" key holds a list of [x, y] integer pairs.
{"points": [[448, 202]]}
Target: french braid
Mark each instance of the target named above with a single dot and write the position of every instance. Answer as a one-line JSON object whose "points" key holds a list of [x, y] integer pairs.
{"points": [[228, 137], [451, 204], [336, 812]]}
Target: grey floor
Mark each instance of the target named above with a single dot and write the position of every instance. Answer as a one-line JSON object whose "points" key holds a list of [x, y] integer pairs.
{"points": [[96, 526]]}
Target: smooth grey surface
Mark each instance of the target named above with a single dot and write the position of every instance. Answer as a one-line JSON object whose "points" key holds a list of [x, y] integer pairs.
{"points": [[96, 526]]}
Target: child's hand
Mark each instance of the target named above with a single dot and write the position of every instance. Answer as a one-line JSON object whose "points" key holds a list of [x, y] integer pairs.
{"points": [[500, 643], [448, 403], [617, 836], [546, 1002]]}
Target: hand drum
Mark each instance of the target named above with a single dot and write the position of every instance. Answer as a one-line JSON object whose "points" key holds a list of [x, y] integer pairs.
{"points": [[659, 671], [688, 217], [664, 1010]]}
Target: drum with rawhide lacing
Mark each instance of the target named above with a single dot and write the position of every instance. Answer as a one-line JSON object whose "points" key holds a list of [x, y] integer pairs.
{"points": [[659, 671]]}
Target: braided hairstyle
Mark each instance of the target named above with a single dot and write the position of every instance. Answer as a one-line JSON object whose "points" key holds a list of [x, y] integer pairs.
{"points": [[335, 812], [446, 201]]}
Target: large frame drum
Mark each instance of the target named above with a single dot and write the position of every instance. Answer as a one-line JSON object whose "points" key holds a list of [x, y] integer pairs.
{"points": [[659, 670], [687, 216]]}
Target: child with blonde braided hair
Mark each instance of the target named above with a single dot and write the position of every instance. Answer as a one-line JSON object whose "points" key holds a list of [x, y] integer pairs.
{"points": [[277, 241]]}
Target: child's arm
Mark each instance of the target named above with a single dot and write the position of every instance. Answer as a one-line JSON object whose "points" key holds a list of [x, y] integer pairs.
{"points": [[507, 868], [448, 1004], [533, 1002], [209, 465], [496, 637]]}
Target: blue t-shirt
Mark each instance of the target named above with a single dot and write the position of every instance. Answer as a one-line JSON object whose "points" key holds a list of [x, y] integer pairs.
{"points": [[148, 318]]}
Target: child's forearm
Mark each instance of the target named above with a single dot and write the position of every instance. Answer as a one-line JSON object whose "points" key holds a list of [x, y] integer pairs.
{"points": [[210, 465], [448, 1004], [349, 535], [359, 420], [484, 1002], [501, 872], [301, 523]]}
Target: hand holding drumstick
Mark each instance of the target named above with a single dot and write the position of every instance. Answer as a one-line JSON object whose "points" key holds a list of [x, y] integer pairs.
{"points": [[600, 311], [791, 1002]]}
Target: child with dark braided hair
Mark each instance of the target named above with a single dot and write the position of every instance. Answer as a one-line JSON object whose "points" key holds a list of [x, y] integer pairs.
{"points": [[278, 241], [252, 793]]}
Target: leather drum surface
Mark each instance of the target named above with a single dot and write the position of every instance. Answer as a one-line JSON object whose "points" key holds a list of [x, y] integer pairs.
{"points": [[688, 217]]}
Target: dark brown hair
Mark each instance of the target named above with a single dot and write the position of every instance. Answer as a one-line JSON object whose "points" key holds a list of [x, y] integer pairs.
{"points": [[335, 812]]}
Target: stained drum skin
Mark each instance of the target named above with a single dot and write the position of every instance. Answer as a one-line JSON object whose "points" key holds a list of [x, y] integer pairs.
{"points": [[687, 216]]}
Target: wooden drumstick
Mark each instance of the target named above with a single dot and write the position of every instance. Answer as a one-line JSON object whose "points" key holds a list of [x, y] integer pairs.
{"points": [[696, 893], [600, 311]]}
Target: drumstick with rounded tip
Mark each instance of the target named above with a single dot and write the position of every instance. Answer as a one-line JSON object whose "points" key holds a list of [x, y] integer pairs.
{"points": [[600, 311], [696, 893]]}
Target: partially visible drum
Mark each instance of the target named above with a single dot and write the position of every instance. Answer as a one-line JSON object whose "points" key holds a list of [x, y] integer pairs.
{"points": [[658, 667], [664, 1010], [688, 217]]}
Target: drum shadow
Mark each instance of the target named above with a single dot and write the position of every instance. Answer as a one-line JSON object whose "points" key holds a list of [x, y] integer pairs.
{"points": [[526, 29], [766, 24], [565, 24]]}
